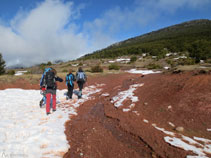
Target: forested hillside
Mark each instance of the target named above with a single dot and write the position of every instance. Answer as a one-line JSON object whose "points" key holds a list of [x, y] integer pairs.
{"points": [[193, 38]]}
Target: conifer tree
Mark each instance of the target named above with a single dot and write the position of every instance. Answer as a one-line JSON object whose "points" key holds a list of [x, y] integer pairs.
{"points": [[2, 65]]}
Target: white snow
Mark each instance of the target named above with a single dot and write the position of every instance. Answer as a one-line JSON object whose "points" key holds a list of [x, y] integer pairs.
{"points": [[26, 130], [128, 94], [146, 121], [171, 124], [136, 112], [188, 144], [144, 72], [123, 60], [105, 94], [166, 67], [19, 73], [209, 130], [163, 130]]}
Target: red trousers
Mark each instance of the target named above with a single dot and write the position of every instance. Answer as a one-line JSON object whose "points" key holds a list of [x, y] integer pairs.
{"points": [[48, 101]]}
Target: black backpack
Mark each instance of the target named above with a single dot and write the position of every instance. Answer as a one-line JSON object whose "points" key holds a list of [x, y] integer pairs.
{"points": [[50, 79]]}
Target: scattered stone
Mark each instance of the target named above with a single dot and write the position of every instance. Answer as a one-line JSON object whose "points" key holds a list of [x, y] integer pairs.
{"points": [[145, 103], [177, 71], [180, 129], [169, 107]]}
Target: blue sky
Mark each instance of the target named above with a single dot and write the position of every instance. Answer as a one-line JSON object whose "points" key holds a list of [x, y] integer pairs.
{"points": [[35, 31]]}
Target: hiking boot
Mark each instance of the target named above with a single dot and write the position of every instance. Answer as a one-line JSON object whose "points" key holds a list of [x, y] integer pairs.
{"points": [[48, 113], [41, 102], [54, 110]]}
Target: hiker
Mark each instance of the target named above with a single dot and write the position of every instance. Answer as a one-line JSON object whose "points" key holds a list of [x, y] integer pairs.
{"points": [[70, 78], [51, 86], [43, 88], [81, 79]]}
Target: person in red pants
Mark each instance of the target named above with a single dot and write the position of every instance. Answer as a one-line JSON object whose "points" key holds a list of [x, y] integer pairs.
{"points": [[51, 86]]}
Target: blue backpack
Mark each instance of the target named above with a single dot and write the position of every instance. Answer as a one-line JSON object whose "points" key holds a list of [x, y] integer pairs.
{"points": [[43, 77], [69, 79]]}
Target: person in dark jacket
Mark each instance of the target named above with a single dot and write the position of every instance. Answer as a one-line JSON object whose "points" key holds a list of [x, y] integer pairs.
{"points": [[51, 86], [70, 78], [81, 79]]}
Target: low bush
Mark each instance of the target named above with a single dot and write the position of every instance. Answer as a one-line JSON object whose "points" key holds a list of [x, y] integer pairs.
{"points": [[97, 68], [113, 67], [133, 59], [153, 66], [11, 72]]}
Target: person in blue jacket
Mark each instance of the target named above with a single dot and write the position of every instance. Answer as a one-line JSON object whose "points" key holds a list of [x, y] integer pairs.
{"points": [[70, 78]]}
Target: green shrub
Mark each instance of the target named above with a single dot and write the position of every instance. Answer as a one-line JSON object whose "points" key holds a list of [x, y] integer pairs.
{"points": [[11, 72], [187, 61], [80, 64], [113, 67], [49, 63], [65, 70], [153, 66], [97, 68], [133, 59]]}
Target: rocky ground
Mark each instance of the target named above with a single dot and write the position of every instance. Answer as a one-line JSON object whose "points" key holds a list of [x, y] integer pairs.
{"points": [[162, 108]]}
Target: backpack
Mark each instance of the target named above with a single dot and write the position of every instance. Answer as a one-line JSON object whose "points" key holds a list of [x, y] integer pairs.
{"points": [[69, 79], [80, 77], [42, 80], [50, 81]]}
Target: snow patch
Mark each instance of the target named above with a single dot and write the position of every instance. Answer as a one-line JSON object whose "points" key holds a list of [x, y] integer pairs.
{"points": [[209, 130], [188, 144], [144, 72], [146, 121], [26, 130], [122, 96], [19, 73]]}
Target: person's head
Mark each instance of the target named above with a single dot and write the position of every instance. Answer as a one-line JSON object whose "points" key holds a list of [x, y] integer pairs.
{"points": [[70, 71], [80, 69]]}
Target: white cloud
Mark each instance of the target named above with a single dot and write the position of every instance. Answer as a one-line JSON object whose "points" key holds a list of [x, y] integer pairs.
{"points": [[43, 34]]}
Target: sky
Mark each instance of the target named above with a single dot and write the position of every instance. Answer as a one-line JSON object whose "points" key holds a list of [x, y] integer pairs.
{"points": [[38, 31]]}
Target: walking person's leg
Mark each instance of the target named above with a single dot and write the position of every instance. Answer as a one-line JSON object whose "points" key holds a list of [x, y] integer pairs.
{"points": [[71, 91], [48, 101], [80, 86], [54, 100]]}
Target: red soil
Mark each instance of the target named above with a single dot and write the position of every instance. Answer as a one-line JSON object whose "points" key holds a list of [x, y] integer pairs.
{"points": [[101, 130]]}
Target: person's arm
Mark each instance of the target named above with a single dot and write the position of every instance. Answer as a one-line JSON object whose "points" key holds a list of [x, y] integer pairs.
{"points": [[58, 79], [85, 77], [74, 79]]}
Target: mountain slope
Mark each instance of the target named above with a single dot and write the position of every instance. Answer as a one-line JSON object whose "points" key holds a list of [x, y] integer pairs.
{"points": [[190, 36]]}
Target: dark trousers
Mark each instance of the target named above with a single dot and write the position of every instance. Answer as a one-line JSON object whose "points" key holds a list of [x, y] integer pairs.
{"points": [[70, 90], [80, 85]]}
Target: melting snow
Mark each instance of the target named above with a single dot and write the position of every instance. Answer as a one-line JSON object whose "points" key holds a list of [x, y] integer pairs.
{"points": [[144, 72], [26, 130], [146, 121], [188, 144], [19, 73], [122, 96]]}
